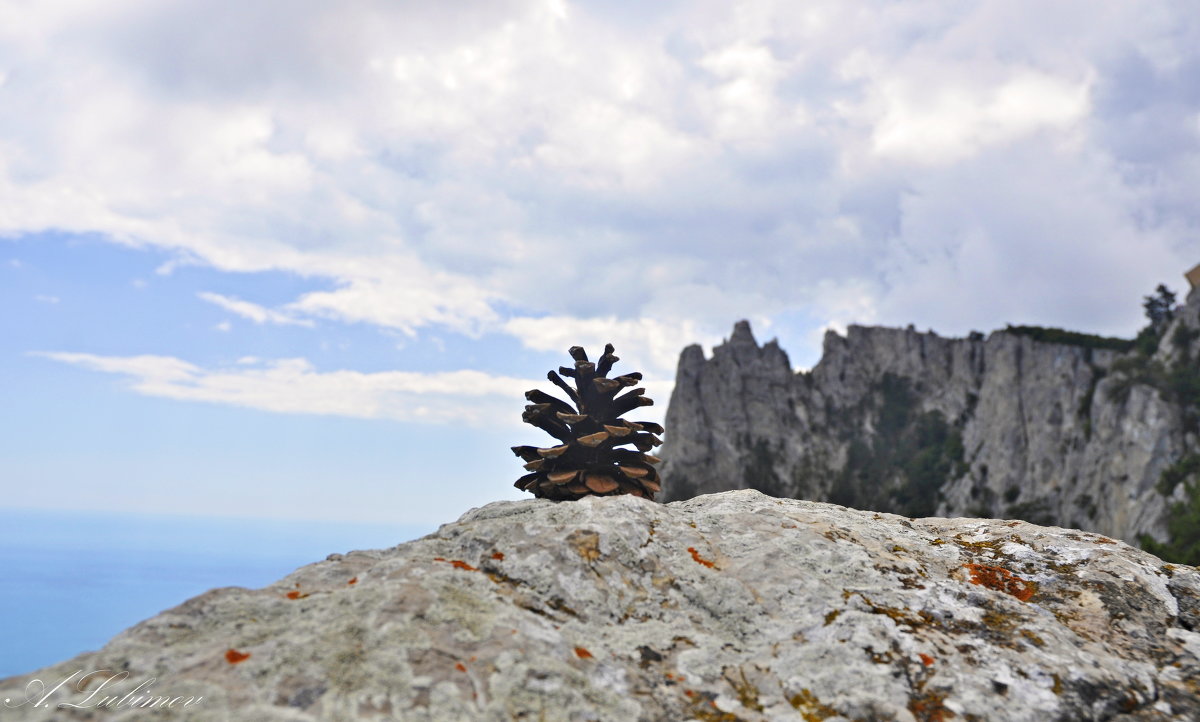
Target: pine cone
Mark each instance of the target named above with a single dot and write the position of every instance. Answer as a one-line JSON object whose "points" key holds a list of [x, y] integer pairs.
{"points": [[587, 461]]}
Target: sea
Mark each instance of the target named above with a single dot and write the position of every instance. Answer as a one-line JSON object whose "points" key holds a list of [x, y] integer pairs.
{"points": [[70, 581]]}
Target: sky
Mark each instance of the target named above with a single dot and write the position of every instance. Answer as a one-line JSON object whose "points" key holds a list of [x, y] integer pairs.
{"points": [[300, 260]]}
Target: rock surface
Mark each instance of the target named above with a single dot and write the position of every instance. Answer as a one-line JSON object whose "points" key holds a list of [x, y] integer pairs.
{"points": [[724, 607], [897, 420]]}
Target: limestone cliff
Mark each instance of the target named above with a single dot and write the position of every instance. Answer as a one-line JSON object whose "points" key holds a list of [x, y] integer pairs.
{"points": [[1075, 430], [731, 606]]}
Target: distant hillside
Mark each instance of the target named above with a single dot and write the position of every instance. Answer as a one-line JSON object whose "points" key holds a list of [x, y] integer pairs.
{"points": [[1050, 426]]}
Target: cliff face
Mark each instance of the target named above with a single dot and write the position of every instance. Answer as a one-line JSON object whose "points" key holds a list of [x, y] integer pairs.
{"points": [[1009, 426], [731, 606]]}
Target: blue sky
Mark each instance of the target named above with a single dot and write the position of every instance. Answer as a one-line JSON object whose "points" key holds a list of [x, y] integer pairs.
{"points": [[299, 261]]}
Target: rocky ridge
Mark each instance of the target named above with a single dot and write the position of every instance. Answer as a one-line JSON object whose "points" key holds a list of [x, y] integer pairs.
{"points": [[733, 606], [1009, 425]]}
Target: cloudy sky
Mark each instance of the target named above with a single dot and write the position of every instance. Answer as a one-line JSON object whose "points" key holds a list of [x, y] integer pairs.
{"points": [[300, 259]]}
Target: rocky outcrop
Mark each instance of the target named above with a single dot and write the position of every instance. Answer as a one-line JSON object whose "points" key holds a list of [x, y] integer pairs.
{"points": [[734, 606], [1072, 431]]}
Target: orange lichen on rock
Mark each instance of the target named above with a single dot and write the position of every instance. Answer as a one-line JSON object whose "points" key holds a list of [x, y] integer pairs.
{"points": [[699, 559], [353, 581], [234, 657], [1001, 580], [582, 653], [930, 707], [926, 659], [294, 594], [498, 556], [460, 667], [456, 563]]}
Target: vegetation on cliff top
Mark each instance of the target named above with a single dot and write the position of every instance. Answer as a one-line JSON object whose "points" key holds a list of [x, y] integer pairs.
{"points": [[1071, 338]]}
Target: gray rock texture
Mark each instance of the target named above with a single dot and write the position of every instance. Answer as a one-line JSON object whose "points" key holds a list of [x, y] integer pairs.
{"points": [[733, 606], [898, 420]]}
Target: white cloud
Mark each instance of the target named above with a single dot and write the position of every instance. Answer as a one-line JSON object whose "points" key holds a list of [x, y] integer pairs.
{"points": [[643, 344], [646, 345], [745, 106], [470, 167], [294, 386], [41, 298], [1056, 245], [950, 122], [465, 396], [404, 295], [845, 304], [256, 313]]}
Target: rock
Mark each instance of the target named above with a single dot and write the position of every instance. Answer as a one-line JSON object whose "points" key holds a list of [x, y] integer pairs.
{"points": [[897, 420], [724, 607]]}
